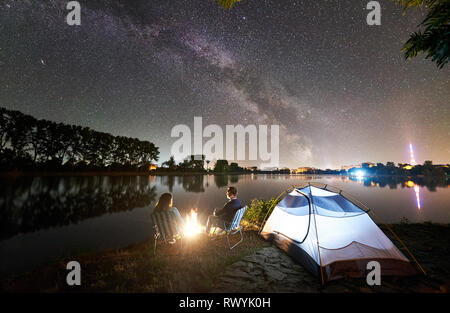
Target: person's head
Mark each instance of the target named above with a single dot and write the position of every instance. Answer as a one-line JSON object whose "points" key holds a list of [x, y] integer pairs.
{"points": [[231, 192], [164, 202]]}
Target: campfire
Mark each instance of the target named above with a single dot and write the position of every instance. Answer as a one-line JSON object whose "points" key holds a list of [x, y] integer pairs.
{"points": [[192, 226]]}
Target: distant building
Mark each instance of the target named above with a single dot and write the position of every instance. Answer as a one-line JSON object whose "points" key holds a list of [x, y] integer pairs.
{"points": [[252, 168], [284, 170], [406, 166], [269, 169], [302, 170], [347, 167], [152, 167]]}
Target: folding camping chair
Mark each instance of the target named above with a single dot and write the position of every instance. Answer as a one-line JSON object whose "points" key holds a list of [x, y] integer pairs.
{"points": [[166, 228], [235, 227]]}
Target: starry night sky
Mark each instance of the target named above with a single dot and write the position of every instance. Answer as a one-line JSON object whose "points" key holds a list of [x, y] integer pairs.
{"points": [[339, 89]]}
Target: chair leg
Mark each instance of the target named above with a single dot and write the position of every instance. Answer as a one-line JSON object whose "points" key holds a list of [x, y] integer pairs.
{"points": [[242, 239], [156, 242]]}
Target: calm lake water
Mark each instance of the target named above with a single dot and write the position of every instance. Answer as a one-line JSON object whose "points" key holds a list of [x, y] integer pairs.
{"points": [[45, 218]]}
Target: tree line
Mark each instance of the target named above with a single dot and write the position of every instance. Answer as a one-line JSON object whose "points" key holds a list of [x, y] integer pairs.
{"points": [[193, 163], [222, 166], [389, 169], [27, 143], [403, 169]]}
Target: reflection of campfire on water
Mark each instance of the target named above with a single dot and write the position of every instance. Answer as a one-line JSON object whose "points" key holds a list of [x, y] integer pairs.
{"points": [[192, 226]]}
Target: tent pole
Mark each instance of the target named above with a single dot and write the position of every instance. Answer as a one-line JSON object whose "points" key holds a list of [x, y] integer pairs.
{"points": [[275, 203], [309, 214], [317, 235]]}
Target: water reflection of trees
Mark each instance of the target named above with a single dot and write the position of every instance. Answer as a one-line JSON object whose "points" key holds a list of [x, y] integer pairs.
{"points": [[30, 204], [168, 181], [189, 183], [197, 183], [193, 183], [221, 180]]}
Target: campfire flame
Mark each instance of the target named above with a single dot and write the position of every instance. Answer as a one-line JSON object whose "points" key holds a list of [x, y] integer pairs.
{"points": [[192, 226]]}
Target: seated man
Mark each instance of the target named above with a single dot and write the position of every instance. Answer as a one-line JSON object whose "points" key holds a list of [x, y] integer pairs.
{"points": [[225, 214]]}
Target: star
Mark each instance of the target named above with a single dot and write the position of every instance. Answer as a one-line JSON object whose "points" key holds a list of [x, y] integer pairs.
{"points": [[316, 70]]}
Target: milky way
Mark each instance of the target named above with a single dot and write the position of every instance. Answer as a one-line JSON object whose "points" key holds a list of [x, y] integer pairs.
{"points": [[339, 89]]}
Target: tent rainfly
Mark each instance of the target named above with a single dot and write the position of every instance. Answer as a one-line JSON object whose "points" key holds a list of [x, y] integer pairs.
{"points": [[331, 236]]}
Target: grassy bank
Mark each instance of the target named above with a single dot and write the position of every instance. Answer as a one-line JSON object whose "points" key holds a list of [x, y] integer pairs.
{"points": [[136, 269]]}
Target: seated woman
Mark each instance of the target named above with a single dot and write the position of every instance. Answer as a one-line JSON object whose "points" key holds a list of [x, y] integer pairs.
{"points": [[165, 205]]}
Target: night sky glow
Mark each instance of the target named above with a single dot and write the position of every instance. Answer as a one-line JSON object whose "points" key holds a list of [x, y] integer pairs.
{"points": [[339, 89]]}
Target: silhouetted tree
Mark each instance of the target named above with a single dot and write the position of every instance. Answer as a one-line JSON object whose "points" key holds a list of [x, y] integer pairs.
{"points": [[434, 40], [193, 163], [5, 126], [26, 142], [170, 163], [221, 166], [390, 164]]}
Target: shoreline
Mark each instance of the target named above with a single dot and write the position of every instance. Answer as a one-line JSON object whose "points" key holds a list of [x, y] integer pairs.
{"points": [[132, 173], [135, 269]]}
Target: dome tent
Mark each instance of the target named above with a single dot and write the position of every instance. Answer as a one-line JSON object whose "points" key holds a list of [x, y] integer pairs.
{"points": [[331, 236]]}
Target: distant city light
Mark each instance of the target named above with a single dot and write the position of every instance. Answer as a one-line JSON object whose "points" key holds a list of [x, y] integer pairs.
{"points": [[359, 174]]}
